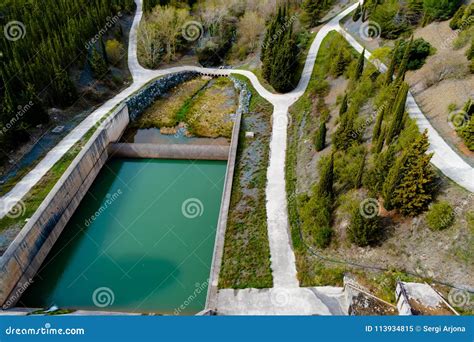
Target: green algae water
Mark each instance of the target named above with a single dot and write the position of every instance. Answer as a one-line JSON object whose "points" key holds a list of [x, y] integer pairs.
{"points": [[141, 240]]}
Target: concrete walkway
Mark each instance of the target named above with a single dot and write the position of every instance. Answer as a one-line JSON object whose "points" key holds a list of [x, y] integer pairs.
{"points": [[282, 256]]}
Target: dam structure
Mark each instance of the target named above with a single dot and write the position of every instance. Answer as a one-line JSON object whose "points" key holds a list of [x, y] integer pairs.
{"points": [[128, 227]]}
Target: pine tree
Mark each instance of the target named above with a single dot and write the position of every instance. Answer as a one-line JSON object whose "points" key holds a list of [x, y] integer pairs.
{"points": [[398, 113], [360, 65], [325, 185], [36, 114], [321, 137], [98, 65], [363, 231], [415, 190], [65, 92], [357, 13]]}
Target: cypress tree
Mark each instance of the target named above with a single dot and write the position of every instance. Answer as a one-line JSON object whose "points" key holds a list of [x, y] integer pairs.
{"points": [[104, 51], [398, 113], [380, 140], [325, 185], [391, 182], [344, 105], [321, 137], [383, 162], [391, 67], [415, 190], [378, 122], [340, 63], [360, 65], [402, 69], [360, 172]]}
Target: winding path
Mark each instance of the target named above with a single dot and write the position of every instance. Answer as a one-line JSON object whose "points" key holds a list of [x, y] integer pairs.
{"points": [[286, 289]]}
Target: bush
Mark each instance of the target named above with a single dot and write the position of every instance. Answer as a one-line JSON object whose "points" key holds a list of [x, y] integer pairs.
{"points": [[385, 15], [115, 51], [420, 50], [440, 216], [363, 231], [440, 9]]}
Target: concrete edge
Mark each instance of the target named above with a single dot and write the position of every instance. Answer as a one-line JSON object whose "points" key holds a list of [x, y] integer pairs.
{"points": [[211, 299]]}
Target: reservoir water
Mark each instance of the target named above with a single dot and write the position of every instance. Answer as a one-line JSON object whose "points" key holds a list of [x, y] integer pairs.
{"points": [[141, 240]]}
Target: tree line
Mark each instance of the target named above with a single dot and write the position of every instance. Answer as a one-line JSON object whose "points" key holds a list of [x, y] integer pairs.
{"points": [[45, 39]]}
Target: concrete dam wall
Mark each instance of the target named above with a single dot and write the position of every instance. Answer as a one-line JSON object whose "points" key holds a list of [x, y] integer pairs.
{"points": [[170, 151], [24, 256]]}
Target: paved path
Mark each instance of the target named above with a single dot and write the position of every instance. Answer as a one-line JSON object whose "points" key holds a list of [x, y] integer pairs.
{"points": [[282, 256]]}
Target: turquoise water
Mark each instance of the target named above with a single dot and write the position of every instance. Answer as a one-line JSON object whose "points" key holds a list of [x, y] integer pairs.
{"points": [[141, 240]]}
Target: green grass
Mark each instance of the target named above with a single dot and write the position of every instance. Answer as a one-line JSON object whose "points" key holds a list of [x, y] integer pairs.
{"points": [[246, 259]]}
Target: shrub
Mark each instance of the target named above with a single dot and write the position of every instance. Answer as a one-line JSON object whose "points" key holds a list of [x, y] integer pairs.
{"points": [[440, 9], [385, 15], [420, 50], [115, 51], [440, 216], [363, 231]]}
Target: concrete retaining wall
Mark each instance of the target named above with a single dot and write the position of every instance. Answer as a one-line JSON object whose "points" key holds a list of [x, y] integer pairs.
{"points": [[170, 151], [244, 103], [24, 256]]}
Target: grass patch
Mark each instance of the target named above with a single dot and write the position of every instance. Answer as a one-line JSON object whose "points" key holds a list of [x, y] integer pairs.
{"points": [[170, 109], [246, 259], [209, 112]]}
